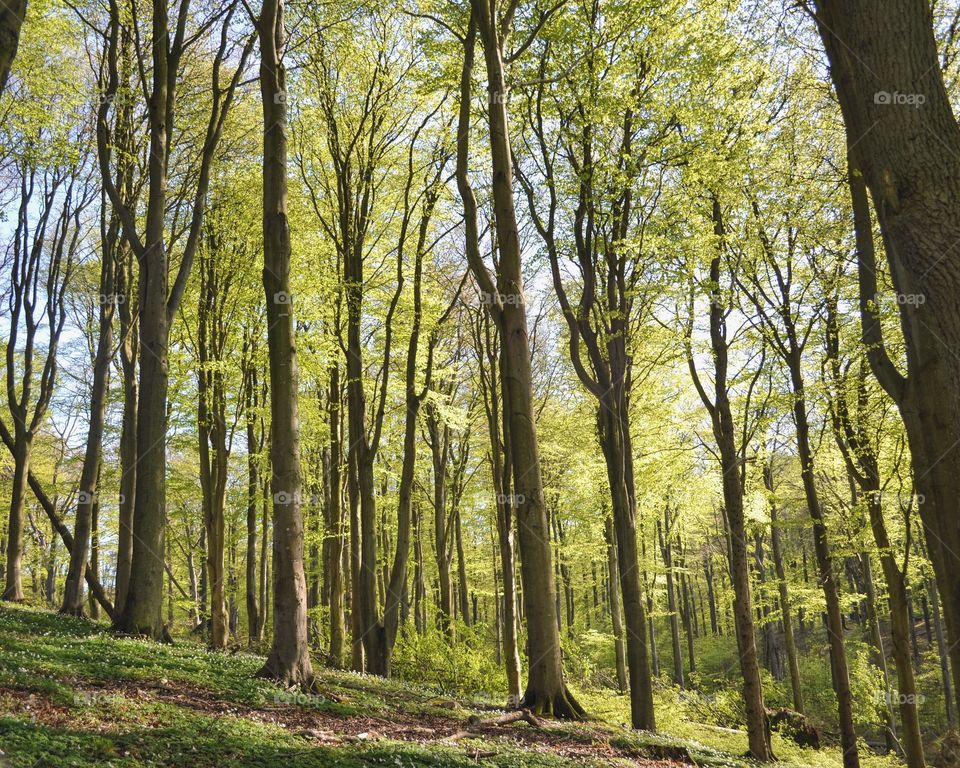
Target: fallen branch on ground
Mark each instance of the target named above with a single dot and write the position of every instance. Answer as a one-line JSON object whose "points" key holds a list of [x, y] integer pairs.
{"points": [[475, 723]]}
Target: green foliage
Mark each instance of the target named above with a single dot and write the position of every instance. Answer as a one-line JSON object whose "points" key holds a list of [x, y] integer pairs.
{"points": [[465, 668]]}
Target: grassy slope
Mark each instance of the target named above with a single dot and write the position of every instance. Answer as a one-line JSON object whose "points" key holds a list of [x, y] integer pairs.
{"points": [[71, 694]]}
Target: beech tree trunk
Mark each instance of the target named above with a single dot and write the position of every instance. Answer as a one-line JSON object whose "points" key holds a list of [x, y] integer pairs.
{"points": [[546, 691], [90, 472], [289, 659], [786, 615], [908, 155], [733, 480], [333, 540], [616, 614], [11, 20]]}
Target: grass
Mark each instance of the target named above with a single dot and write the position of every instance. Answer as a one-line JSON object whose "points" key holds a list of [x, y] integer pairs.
{"points": [[72, 694]]}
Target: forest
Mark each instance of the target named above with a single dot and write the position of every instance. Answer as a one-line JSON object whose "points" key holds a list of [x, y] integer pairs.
{"points": [[500, 382]]}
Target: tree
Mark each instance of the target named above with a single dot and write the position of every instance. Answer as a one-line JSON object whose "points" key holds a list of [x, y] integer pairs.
{"points": [[158, 301], [732, 459], [546, 692], [45, 250], [289, 659], [11, 20], [905, 145]]}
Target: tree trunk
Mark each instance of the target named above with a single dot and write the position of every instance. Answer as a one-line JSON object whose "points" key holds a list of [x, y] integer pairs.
{"points": [[732, 479], [786, 616], [90, 472], [129, 352], [828, 581], [254, 447], [442, 549], [616, 614], [23, 444], [333, 541], [11, 20], [909, 157], [141, 612], [546, 692], [666, 549], [289, 659]]}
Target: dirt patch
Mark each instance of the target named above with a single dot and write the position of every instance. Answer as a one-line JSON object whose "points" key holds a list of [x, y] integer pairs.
{"points": [[328, 728]]}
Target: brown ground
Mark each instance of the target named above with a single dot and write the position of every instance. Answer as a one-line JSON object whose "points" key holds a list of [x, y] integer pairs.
{"points": [[328, 728]]}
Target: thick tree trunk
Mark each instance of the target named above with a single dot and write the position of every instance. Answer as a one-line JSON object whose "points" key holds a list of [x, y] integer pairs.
{"points": [[141, 612], [11, 20], [289, 659], [905, 145]]}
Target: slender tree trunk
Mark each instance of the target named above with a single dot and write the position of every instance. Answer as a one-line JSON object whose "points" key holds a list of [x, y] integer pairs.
{"points": [[732, 478], [828, 581], [440, 450], [666, 549], [333, 542], [786, 616], [90, 472], [254, 446], [289, 659], [947, 681], [546, 691], [129, 352], [23, 444], [616, 614]]}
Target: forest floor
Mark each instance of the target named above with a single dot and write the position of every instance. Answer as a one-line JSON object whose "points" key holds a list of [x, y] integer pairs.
{"points": [[72, 694]]}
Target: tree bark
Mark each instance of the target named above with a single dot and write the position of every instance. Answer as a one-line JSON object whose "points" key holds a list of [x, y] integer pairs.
{"points": [[908, 155], [786, 615], [546, 691], [73, 598], [289, 659], [12, 15]]}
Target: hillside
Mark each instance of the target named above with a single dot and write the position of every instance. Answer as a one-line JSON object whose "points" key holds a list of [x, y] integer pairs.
{"points": [[73, 694]]}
